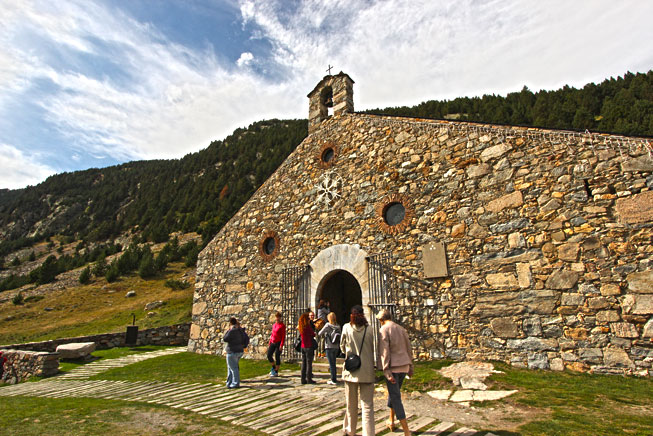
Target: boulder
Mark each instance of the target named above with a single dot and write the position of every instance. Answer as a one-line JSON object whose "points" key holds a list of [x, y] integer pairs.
{"points": [[154, 305], [76, 350]]}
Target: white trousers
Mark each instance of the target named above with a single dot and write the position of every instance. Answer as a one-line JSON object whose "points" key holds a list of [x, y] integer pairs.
{"points": [[352, 391]]}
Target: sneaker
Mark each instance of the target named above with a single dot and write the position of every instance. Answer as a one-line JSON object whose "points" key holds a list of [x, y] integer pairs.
{"points": [[331, 382], [273, 373], [312, 382]]}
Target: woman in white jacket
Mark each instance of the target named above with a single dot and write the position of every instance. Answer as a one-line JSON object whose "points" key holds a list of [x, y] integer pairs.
{"points": [[357, 339]]}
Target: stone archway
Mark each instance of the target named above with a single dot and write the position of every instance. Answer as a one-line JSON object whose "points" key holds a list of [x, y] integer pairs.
{"points": [[342, 257]]}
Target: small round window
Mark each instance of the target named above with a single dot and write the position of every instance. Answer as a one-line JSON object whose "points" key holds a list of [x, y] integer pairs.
{"points": [[268, 245], [328, 155], [394, 213]]}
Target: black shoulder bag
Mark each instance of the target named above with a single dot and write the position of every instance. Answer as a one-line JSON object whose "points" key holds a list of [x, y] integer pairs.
{"points": [[353, 361]]}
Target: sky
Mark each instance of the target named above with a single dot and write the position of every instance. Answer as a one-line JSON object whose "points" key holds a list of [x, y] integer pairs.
{"points": [[94, 83]]}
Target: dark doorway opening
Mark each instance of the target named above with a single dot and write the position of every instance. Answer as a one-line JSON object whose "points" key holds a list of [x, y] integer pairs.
{"points": [[342, 291]]}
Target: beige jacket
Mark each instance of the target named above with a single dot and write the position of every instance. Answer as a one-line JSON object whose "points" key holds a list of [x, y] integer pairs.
{"points": [[394, 348], [350, 343]]}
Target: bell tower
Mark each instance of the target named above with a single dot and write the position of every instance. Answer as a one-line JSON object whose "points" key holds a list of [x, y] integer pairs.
{"points": [[334, 93]]}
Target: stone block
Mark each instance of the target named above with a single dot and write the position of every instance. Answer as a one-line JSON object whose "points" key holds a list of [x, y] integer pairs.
{"points": [[616, 357], [576, 333], [504, 328], [497, 304], [532, 344], [557, 364], [640, 282], [590, 355], [648, 329], [474, 171], [199, 308], [516, 240], [562, 279], [598, 303], [606, 316], [635, 209], [512, 200], [524, 276], [502, 281], [532, 326], [538, 361], [75, 350], [495, 151], [624, 330], [641, 163], [572, 299], [569, 252], [637, 304]]}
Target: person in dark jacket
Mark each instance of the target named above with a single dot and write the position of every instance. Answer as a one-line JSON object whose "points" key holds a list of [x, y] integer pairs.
{"points": [[331, 333], [237, 340]]}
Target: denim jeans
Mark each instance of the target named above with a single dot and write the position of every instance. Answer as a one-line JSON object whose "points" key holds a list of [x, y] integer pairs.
{"points": [[274, 349], [308, 354], [233, 371], [331, 354], [394, 395]]}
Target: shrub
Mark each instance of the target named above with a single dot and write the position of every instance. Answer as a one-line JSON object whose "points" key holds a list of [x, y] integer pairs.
{"points": [[85, 276], [15, 262], [18, 299], [147, 267], [176, 285], [112, 273]]}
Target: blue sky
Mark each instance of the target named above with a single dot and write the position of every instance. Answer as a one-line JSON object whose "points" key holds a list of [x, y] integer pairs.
{"points": [[93, 83]]}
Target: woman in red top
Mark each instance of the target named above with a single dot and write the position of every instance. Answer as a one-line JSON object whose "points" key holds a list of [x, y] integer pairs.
{"points": [[277, 339], [308, 352]]}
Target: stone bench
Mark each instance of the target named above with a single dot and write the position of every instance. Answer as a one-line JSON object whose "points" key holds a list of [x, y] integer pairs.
{"points": [[76, 350]]}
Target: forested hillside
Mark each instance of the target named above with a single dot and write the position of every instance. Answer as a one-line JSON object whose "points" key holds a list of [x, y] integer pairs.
{"points": [[623, 105], [201, 191]]}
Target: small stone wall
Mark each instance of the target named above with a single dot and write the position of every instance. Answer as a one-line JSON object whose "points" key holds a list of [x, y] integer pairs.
{"points": [[21, 365], [168, 335]]}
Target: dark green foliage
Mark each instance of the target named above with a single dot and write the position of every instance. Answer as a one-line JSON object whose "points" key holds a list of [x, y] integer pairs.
{"points": [[18, 299], [47, 271], [32, 256], [15, 262], [113, 273], [176, 285], [191, 255], [100, 267], [147, 267], [85, 276], [623, 105]]}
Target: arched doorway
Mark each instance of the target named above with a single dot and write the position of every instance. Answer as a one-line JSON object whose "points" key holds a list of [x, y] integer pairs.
{"points": [[341, 289]]}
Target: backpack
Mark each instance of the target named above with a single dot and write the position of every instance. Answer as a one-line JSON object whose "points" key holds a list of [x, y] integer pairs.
{"points": [[335, 336]]}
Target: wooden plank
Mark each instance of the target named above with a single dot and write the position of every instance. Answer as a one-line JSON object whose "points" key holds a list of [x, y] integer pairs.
{"points": [[438, 429]]}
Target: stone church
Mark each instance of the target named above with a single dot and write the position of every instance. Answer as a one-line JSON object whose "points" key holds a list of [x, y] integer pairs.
{"points": [[518, 244]]}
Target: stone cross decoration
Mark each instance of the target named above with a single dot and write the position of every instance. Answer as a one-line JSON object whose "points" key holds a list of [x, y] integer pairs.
{"points": [[329, 69]]}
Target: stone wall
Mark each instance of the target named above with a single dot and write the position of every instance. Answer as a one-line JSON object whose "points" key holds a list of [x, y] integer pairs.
{"points": [[547, 234], [168, 335], [21, 365]]}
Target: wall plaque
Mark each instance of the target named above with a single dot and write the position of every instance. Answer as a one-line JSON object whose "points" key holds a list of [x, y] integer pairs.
{"points": [[434, 259]]}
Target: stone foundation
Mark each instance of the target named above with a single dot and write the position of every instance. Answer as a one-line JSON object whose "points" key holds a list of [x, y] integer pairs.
{"points": [[21, 365], [168, 335]]}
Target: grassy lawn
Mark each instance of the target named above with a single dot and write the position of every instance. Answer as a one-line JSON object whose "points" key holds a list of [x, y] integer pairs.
{"points": [[187, 368], [563, 403], [28, 416], [98, 307]]}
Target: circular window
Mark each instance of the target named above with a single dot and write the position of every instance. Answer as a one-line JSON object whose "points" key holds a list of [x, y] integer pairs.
{"points": [[328, 155], [268, 246], [394, 213]]}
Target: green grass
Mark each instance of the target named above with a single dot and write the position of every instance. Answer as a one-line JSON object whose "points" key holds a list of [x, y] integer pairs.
{"points": [[187, 368], [27, 416]]}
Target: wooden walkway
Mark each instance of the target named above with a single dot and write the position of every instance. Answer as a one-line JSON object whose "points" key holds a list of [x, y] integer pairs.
{"points": [[277, 406]]}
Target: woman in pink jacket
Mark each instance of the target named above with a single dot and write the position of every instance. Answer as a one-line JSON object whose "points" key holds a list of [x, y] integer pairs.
{"points": [[275, 346], [397, 362]]}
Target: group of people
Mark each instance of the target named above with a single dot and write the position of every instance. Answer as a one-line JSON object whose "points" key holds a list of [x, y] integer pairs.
{"points": [[354, 339]]}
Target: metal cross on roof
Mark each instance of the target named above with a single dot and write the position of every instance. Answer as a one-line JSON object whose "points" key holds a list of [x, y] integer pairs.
{"points": [[329, 69]]}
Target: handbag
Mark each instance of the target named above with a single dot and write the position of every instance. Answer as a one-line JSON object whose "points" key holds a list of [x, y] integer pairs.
{"points": [[353, 361], [298, 343]]}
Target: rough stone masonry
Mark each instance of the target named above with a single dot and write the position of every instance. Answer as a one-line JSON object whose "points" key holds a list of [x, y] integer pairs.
{"points": [[547, 237]]}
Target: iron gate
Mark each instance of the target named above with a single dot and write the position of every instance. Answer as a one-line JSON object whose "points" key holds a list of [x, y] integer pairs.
{"points": [[382, 291], [295, 290]]}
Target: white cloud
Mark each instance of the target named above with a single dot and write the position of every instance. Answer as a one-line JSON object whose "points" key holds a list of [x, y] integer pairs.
{"points": [[19, 169], [245, 59], [165, 99]]}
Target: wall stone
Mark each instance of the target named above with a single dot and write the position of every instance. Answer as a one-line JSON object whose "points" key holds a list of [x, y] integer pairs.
{"points": [[168, 335], [21, 365], [547, 240]]}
